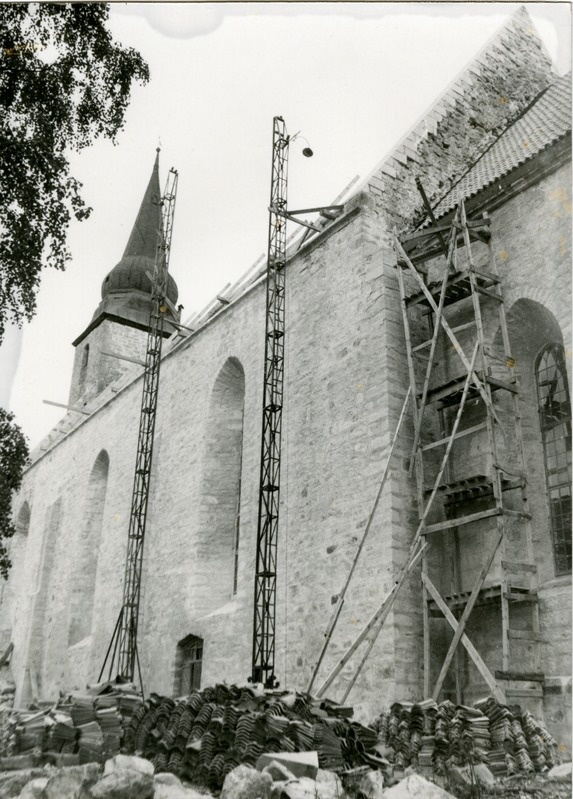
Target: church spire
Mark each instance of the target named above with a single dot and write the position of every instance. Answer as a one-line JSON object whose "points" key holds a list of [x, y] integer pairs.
{"points": [[126, 290], [144, 236]]}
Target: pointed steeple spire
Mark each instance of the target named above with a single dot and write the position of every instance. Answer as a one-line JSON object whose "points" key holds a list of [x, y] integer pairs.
{"points": [[144, 236], [126, 290]]}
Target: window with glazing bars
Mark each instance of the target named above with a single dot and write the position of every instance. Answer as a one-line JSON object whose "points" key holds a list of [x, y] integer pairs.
{"points": [[555, 422], [191, 663]]}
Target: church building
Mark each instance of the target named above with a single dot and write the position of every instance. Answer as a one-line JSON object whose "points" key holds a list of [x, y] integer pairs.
{"points": [[446, 274]]}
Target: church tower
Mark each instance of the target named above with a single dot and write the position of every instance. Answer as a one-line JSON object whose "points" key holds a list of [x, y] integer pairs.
{"points": [[121, 320]]}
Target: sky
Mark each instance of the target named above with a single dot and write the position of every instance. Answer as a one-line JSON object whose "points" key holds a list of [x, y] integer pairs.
{"points": [[352, 77]]}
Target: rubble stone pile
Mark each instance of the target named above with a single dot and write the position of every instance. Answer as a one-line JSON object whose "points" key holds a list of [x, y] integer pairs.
{"points": [[206, 735], [428, 735]]}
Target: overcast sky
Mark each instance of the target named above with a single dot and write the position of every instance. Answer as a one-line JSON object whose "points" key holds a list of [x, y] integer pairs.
{"points": [[352, 77]]}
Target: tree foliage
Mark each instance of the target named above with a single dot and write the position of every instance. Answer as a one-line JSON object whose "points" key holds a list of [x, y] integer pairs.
{"points": [[64, 82], [13, 459]]}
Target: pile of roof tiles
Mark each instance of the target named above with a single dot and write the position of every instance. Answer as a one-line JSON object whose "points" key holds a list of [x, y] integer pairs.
{"points": [[82, 727], [434, 736], [206, 735]]}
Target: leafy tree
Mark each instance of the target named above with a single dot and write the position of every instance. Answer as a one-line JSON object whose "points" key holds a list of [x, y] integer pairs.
{"points": [[13, 459], [49, 106]]}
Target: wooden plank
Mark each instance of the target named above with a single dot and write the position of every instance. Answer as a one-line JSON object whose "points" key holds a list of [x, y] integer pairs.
{"points": [[470, 648], [524, 635], [456, 329], [472, 517], [516, 567], [467, 432], [526, 676], [465, 615], [422, 406], [487, 293]]}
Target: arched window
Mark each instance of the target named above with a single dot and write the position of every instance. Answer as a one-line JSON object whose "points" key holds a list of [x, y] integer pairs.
{"points": [[82, 599], [555, 421], [220, 508], [10, 592], [83, 368], [188, 665]]}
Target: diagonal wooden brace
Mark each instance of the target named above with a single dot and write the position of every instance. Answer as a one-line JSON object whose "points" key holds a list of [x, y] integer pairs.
{"points": [[449, 332], [472, 651], [422, 405], [465, 615]]}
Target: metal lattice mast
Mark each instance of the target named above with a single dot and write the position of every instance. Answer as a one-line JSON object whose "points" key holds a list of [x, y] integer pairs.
{"points": [[263, 664], [124, 640]]}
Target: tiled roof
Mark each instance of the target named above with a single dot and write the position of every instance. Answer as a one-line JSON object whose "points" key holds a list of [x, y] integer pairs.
{"points": [[546, 121]]}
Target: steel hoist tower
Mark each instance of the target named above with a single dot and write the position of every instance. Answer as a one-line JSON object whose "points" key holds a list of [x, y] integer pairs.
{"points": [[263, 660], [123, 645], [468, 454], [263, 663]]}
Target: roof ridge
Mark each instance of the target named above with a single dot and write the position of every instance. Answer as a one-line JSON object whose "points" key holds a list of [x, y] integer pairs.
{"points": [[513, 122], [414, 135]]}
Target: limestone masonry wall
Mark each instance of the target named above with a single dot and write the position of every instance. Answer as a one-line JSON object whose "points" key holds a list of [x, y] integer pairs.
{"points": [[345, 381]]}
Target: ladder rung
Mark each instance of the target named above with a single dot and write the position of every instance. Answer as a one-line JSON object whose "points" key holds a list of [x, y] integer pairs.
{"points": [[524, 635], [467, 432], [514, 566], [472, 517], [515, 596], [520, 676]]}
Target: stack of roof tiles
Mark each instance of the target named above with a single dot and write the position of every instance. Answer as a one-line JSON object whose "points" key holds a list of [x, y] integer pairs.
{"points": [[437, 736], [87, 726], [206, 735]]}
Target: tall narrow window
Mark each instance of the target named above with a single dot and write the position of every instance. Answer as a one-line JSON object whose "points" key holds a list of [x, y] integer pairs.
{"points": [[220, 506], [11, 592], [83, 368], [188, 665], [237, 526], [555, 422], [87, 552]]}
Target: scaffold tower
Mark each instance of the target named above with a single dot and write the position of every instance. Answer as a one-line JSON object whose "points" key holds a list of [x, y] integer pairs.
{"points": [[123, 646], [467, 412]]}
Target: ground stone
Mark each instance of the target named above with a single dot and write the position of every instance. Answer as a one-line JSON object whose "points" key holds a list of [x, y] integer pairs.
{"points": [[34, 789], [301, 764], [278, 772], [415, 787], [129, 763], [372, 785], [166, 791], [72, 782], [245, 782], [560, 773], [166, 778], [303, 788], [124, 784], [328, 785]]}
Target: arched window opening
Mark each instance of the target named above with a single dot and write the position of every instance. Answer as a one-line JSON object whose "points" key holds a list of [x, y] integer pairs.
{"points": [[83, 589], [555, 422], [220, 509], [83, 368], [9, 592], [188, 665], [39, 627]]}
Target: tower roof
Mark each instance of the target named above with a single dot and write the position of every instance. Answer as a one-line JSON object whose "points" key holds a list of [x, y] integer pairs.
{"points": [[126, 290], [138, 259]]}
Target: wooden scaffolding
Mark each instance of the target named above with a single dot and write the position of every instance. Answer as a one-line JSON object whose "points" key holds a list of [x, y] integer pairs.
{"points": [[462, 417]]}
